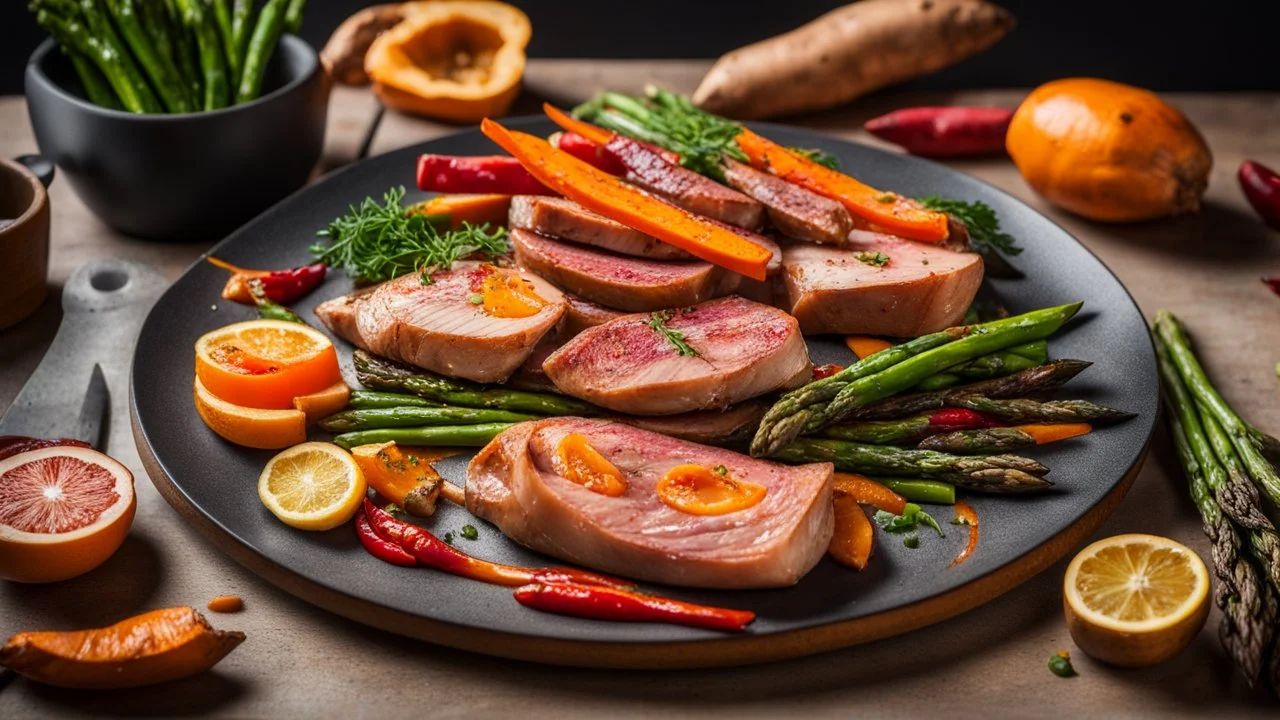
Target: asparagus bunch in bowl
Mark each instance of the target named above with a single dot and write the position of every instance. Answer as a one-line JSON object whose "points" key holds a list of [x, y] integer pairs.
{"points": [[168, 56]]}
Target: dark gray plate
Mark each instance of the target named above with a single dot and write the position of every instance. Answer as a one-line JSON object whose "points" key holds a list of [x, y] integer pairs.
{"points": [[218, 480]]}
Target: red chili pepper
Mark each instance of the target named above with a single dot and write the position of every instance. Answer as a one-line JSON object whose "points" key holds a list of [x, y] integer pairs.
{"points": [[821, 372], [500, 174], [11, 445], [953, 419], [944, 131], [600, 603], [379, 548], [433, 552], [281, 286], [1261, 186], [588, 152]]}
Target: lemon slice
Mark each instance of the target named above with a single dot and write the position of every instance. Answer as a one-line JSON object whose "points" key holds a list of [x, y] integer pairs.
{"points": [[1135, 600], [312, 486]]}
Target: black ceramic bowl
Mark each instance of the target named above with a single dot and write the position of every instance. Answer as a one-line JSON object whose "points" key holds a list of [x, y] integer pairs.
{"points": [[193, 176]]}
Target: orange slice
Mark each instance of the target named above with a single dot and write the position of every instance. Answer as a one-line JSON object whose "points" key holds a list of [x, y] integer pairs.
{"points": [[250, 427], [63, 511], [266, 363]]}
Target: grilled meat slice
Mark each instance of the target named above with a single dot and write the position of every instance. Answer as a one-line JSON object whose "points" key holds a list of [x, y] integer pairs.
{"points": [[795, 211]]}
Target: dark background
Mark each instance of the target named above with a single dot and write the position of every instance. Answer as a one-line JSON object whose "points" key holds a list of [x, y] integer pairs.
{"points": [[1158, 44]]}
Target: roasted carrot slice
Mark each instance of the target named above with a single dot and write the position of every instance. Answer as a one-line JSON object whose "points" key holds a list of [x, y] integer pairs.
{"points": [[602, 193], [864, 345], [474, 209], [594, 133], [854, 537], [889, 211], [1045, 434], [869, 492]]}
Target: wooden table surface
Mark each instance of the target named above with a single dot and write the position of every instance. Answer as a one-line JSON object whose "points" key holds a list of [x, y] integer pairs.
{"points": [[301, 661]]}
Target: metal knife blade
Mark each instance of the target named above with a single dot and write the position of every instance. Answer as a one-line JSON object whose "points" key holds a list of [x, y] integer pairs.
{"points": [[93, 412]]}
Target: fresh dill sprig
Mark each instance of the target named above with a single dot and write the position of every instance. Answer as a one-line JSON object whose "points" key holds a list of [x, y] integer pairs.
{"points": [[874, 259], [670, 121], [818, 155], [658, 321], [377, 242], [980, 219]]}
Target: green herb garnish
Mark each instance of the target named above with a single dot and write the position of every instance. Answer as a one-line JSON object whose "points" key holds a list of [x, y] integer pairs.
{"points": [[874, 259], [912, 517], [469, 532], [448, 538], [981, 221], [1060, 664], [720, 470], [658, 321], [822, 157], [912, 541], [886, 198], [476, 299], [375, 242], [413, 460], [391, 509]]}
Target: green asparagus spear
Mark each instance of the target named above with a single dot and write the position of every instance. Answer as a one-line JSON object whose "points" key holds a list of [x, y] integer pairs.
{"points": [[777, 429], [261, 45], [881, 432], [983, 441], [77, 34], [185, 48], [409, 417], [241, 31], [1005, 362], [1035, 411], [380, 374], [222, 19], [269, 310], [370, 400], [1211, 402], [921, 491], [293, 16], [436, 436], [992, 474], [1250, 613], [156, 23], [1036, 381], [162, 73], [95, 84], [213, 67]]}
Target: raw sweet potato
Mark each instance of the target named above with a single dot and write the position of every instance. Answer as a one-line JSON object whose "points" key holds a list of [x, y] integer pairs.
{"points": [[848, 53]]}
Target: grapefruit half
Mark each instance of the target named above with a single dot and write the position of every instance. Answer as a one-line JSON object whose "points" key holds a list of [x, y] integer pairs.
{"points": [[63, 512]]}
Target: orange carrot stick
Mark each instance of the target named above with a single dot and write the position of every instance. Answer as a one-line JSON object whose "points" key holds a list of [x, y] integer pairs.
{"points": [[869, 492], [864, 345], [889, 211], [854, 537], [602, 193], [594, 133], [463, 207], [967, 516], [1045, 434]]}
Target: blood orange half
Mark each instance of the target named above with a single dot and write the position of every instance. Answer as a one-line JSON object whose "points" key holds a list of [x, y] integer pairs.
{"points": [[63, 512]]}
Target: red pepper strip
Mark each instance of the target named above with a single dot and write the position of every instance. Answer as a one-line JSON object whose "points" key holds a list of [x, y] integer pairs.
{"points": [[1261, 187], [897, 215], [588, 152], [944, 131], [491, 174], [604, 194], [588, 133], [965, 512], [281, 286], [821, 372], [379, 548], [11, 445], [599, 603], [953, 419], [433, 552]]}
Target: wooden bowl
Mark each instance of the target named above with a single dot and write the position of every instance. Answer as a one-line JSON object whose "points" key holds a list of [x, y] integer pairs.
{"points": [[24, 242]]}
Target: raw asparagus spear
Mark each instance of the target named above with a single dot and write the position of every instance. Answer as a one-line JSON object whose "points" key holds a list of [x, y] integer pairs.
{"points": [[370, 400], [95, 84], [159, 69], [293, 15], [118, 69], [221, 12], [380, 374], [437, 436], [261, 45], [1250, 613], [993, 474], [212, 66], [408, 417]]}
